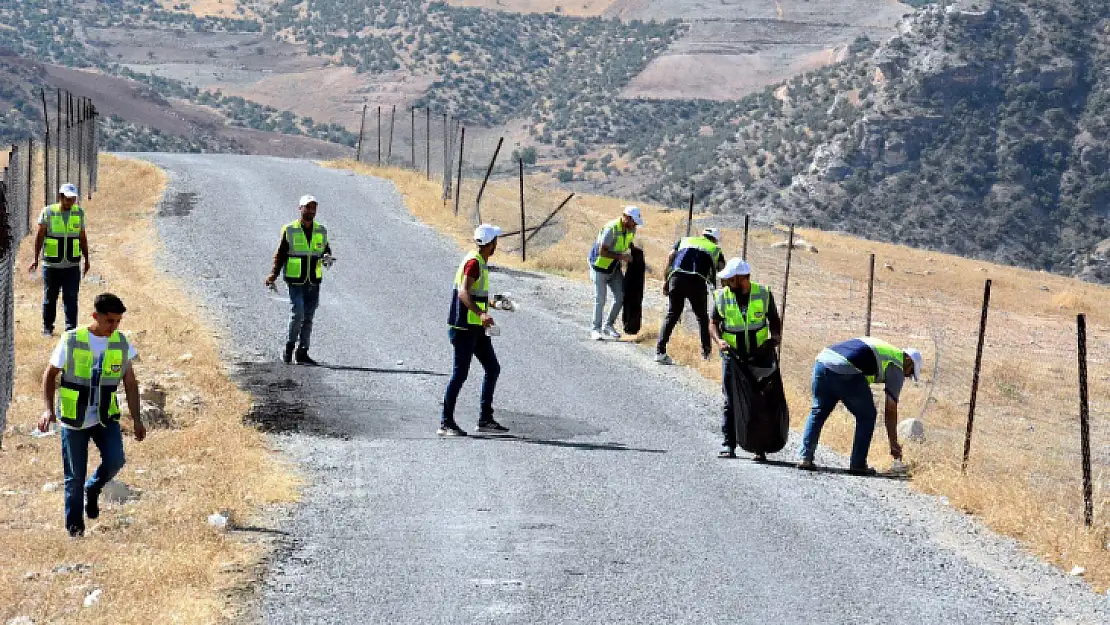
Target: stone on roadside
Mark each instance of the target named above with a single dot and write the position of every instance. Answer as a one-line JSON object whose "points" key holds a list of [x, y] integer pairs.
{"points": [[21, 620], [92, 598], [219, 520], [1077, 571], [117, 492], [154, 416], [912, 430], [49, 487]]}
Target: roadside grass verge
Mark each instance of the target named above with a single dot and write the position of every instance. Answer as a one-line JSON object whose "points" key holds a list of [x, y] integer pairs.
{"points": [[155, 558]]}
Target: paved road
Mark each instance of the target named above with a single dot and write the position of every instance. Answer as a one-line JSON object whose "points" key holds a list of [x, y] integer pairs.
{"points": [[606, 507]]}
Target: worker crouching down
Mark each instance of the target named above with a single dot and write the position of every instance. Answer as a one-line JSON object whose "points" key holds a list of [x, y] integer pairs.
{"points": [[746, 327]]}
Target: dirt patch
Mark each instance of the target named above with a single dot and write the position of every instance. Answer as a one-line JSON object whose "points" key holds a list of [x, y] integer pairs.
{"points": [[180, 205]]}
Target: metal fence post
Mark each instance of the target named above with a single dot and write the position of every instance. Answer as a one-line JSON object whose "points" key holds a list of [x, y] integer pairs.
{"points": [[744, 250], [1084, 422], [428, 143], [786, 280], [361, 127], [690, 216], [975, 375], [489, 170], [379, 135], [870, 295], [523, 225], [392, 118], [458, 181]]}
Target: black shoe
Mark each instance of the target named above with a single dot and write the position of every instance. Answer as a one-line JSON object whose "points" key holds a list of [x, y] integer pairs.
{"points": [[450, 429], [92, 506], [48, 331], [728, 450], [866, 471], [75, 532], [760, 457], [489, 425], [303, 359], [287, 357]]}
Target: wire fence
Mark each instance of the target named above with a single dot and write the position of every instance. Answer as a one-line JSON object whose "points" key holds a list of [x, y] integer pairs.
{"points": [[37, 168]]}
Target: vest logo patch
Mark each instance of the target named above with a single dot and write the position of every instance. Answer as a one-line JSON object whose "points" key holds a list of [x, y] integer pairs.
{"points": [[116, 368]]}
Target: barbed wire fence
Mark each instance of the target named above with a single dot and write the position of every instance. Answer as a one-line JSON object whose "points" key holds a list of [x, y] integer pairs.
{"points": [[66, 153]]}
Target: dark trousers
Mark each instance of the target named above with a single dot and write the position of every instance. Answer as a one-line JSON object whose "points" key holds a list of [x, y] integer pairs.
{"points": [[304, 300], [684, 288], [75, 460], [468, 344], [68, 281]]}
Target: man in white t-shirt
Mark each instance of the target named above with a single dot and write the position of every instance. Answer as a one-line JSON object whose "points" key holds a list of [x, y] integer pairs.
{"points": [[93, 361]]}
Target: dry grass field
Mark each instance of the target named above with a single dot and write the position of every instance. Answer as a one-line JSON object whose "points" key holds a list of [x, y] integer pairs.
{"points": [[155, 559], [1024, 477]]}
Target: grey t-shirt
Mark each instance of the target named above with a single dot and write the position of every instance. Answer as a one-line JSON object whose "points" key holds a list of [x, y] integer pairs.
{"points": [[607, 238], [892, 384]]}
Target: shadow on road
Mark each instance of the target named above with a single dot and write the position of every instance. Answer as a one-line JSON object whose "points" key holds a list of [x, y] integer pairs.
{"points": [[379, 370], [566, 444], [898, 477]]}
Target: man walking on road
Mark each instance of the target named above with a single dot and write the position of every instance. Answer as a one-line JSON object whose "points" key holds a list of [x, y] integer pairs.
{"points": [[844, 373], [470, 327], [746, 326], [691, 272], [609, 251], [93, 361], [62, 244], [302, 253]]}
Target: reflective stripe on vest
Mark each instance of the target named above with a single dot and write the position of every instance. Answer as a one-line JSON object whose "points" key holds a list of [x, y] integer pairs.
{"points": [[885, 355], [303, 266], [735, 323], [62, 246], [621, 244], [697, 256], [461, 317], [76, 388]]}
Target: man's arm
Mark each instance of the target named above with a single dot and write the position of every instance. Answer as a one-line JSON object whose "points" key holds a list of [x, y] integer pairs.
{"points": [[280, 257], [40, 236], [607, 240], [892, 427], [464, 297], [715, 329], [49, 385], [131, 386], [84, 249]]}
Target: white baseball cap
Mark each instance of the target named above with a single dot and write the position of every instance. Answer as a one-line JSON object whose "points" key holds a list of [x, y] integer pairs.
{"points": [[69, 190], [485, 234], [307, 199], [713, 233], [915, 356], [735, 267], [634, 213]]}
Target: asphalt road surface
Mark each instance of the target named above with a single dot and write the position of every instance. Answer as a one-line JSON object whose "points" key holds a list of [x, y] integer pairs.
{"points": [[606, 505]]}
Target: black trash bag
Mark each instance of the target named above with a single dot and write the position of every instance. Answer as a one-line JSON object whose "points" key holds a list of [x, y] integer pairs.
{"points": [[633, 312], [760, 414]]}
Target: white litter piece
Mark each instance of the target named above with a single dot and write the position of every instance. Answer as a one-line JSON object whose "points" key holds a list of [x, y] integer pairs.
{"points": [[1077, 571], [49, 487], [93, 597], [217, 520]]}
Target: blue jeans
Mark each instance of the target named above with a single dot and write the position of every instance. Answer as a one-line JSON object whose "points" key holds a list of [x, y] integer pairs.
{"points": [[471, 343], [304, 298], [75, 458], [829, 388], [68, 281]]}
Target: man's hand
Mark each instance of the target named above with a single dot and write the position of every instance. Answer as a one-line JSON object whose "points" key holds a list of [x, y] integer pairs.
{"points": [[140, 430], [87, 265], [34, 266], [626, 257], [667, 287], [270, 279], [723, 344], [487, 321], [46, 419], [895, 450]]}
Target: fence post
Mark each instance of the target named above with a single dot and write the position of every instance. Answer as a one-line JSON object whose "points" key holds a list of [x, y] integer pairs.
{"points": [[361, 128], [458, 182], [489, 170], [523, 226], [45, 151], [690, 215], [1084, 422], [58, 139], [428, 142], [80, 144], [379, 135], [389, 150], [412, 130], [870, 295], [786, 280], [975, 375], [30, 180], [744, 250]]}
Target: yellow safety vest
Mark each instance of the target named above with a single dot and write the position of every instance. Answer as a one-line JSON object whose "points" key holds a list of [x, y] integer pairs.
{"points": [[621, 245], [76, 388], [460, 316], [303, 265], [62, 246], [735, 323]]}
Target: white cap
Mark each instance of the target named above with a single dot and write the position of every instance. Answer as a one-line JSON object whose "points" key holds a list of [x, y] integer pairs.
{"points": [[915, 356], [735, 267], [713, 233], [485, 234], [69, 190], [634, 213], [307, 199]]}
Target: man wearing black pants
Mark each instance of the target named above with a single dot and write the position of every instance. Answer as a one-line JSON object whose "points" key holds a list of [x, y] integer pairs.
{"points": [[63, 247], [691, 271]]}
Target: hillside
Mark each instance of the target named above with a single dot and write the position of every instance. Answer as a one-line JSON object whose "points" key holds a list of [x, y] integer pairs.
{"points": [[980, 130]]}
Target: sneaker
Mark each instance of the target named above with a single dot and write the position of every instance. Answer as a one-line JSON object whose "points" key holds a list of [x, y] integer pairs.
{"points": [[48, 332], [807, 465], [287, 356], [595, 336], [450, 429], [760, 457], [865, 471], [611, 332], [92, 505], [706, 353], [303, 358], [75, 532], [728, 450], [663, 359], [489, 425]]}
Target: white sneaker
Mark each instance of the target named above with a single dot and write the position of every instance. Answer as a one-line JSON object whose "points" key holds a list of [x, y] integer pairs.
{"points": [[610, 332], [595, 335], [663, 359]]}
